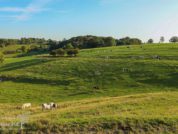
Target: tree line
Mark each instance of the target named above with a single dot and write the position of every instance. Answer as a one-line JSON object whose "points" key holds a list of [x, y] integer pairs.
{"points": [[23, 41], [70, 47], [81, 42], [173, 39], [89, 41]]}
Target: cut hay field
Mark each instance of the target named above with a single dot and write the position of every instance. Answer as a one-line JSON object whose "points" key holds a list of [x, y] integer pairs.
{"points": [[114, 90]]}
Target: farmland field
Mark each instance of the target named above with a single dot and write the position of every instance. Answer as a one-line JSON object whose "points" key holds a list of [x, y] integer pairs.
{"points": [[111, 89]]}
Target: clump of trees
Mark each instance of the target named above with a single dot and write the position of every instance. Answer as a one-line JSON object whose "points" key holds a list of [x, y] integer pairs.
{"points": [[72, 52], [61, 52], [22, 41], [129, 41], [32, 41], [89, 41], [33, 48], [58, 52]]}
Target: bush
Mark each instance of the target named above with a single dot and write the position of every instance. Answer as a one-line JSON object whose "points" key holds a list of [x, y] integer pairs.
{"points": [[53, 53], [24, 49], [72, 52], [60, 52]]}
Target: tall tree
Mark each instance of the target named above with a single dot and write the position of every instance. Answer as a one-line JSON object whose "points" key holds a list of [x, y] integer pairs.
{"points": [[162, 39], [150, 41]]}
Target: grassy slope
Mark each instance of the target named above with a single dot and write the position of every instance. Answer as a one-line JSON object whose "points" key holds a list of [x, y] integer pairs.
{"points": [[31, 78], [148, 89]]}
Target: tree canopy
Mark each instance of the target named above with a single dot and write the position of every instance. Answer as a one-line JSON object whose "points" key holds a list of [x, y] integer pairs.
{"points": [[129, 41], [150, 41], [22, 41], [174, 39], [89, 41]]}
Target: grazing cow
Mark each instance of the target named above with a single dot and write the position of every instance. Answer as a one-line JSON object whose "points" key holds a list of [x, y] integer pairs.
{"points": [[46, 106], [26, 105], [51, 103], [54, 106], [49, 106]]}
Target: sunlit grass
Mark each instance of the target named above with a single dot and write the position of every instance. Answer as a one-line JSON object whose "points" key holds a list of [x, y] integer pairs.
{"points": [[134, 88]]}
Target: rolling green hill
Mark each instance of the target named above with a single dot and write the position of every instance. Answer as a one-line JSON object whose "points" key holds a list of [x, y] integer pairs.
{"points": [[115, 71], [124, 88]]}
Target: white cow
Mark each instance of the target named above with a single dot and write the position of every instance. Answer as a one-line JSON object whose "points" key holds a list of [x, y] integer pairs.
{"points": [[46, 106], [49, 106], [53, 105], [26, 105]]}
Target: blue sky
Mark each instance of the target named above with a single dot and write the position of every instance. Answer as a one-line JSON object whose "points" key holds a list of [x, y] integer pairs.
{"points": [[58, 19]]}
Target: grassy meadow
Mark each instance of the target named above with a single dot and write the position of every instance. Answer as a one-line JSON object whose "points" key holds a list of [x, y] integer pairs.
{"points": [[136, 90]]}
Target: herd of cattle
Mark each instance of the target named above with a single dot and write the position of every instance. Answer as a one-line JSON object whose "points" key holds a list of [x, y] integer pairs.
{"points": [[44, 106]]}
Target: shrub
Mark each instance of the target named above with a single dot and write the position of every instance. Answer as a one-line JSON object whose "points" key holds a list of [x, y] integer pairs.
{"points": [[53, 53], [60, 52], [72, 52], [24, 49]]}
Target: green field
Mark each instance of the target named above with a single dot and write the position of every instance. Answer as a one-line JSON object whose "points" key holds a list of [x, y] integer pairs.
{"points": [[136, 91]]}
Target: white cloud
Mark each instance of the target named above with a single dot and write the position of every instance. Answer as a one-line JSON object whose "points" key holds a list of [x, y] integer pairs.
{"points": [[24, 13], [11, 9]]}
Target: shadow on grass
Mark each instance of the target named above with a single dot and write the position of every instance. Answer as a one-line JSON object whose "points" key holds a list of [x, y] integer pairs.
{"points": [[33, 53], [22, 64], [23, 79], [171, 80]]}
